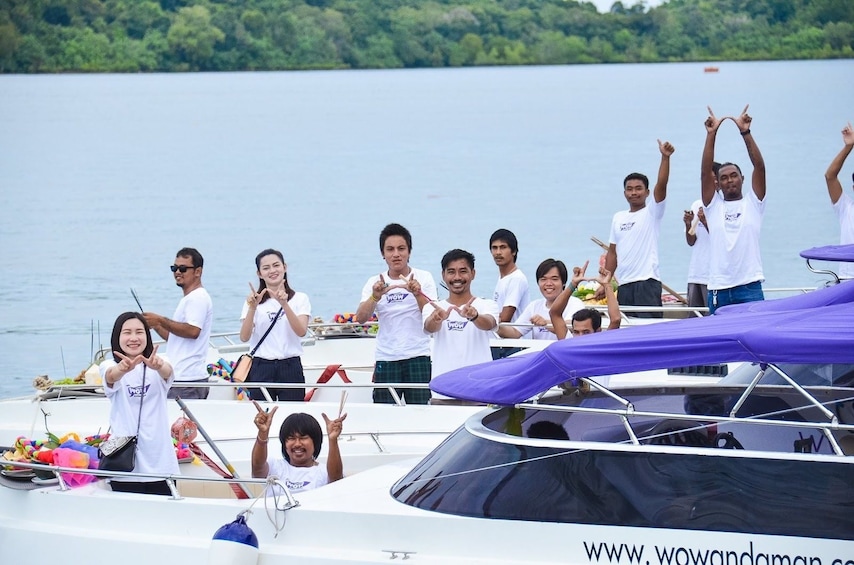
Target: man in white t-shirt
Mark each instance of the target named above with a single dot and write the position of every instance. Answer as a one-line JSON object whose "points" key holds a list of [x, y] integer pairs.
{"points": [[511, 291], [463, 324], [188, 333], [843, 204], [697, 237], [734, 219], [397, 296], [633, 251]]}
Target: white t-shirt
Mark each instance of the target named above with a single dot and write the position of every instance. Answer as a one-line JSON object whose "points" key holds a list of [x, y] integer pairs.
{"points": [[282, 342], [189, 356], [734, 228], [698, 269], [154, 453], [401, 330], [636, 237], [458, 342], [512, 290], [844, 208], [538, 307], [297, 479]]}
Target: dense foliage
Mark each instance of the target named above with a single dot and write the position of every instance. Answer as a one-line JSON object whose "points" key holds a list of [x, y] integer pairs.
{"points": [[227, 35]]}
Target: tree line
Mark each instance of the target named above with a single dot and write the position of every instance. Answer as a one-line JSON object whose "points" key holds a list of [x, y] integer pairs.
{"points": [[47, 36]]}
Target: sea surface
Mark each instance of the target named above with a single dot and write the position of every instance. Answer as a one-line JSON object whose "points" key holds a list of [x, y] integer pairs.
{"points": [[104, 177]]}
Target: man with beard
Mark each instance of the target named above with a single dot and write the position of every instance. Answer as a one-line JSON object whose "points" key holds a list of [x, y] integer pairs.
{"points": [[188, 333], [461, 325]]}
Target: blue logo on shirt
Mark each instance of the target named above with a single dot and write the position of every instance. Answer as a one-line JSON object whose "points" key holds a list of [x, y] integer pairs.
{"points": [[456, 326], [396, 297], [296, 485], [137, 391], [732, 216], [627, 226]]}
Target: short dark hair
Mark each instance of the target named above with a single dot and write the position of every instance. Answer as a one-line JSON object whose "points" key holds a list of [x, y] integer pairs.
{"points": [[507, 237], [193, 255], [728, 164], [589, 314], [117, 332], [300, 423], [456, 254], [546, 429], [395, 229], [715, 167], [550, 264], [637, 176]]}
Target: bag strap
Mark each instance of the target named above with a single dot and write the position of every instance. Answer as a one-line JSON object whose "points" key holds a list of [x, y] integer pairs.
{"points": [[263, 337], [141, 400]]}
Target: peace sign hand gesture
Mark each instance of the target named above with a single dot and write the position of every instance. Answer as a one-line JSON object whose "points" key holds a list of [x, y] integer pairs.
{"points": [[263, 419], [126, 364], [712, 123], [254, 298], [744, 120]]}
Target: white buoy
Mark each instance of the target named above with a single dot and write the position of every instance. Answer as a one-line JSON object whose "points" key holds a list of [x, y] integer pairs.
{"points": [[234, 544]]}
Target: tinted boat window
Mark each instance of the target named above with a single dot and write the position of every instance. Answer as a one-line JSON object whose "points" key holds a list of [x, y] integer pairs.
{"points": [[471, 476]]}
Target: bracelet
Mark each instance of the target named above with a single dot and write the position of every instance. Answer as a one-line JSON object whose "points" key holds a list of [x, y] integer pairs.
{"points": [[259, 440], [475, 317], [371, 297], [746, 132], [572, 287]]}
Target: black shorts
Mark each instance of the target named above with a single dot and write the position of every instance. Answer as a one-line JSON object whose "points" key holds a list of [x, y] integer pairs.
{"points": [[414, 370], [641, 293]]}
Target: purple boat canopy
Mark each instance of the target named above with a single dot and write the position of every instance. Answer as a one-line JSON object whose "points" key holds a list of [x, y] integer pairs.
{"points": [[812, 328], [844, 253]]}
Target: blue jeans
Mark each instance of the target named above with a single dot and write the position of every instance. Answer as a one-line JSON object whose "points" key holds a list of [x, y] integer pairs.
{"points": [[750, 292]]}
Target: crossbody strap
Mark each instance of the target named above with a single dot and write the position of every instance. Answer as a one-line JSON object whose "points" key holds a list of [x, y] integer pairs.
{"points": [[141, 400], [263, 337]]}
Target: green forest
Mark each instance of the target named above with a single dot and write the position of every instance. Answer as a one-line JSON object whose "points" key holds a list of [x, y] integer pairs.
{"points": [[49, 36]]}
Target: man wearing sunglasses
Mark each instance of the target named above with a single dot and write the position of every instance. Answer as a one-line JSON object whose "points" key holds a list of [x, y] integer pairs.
{"points": [[188, 333]]}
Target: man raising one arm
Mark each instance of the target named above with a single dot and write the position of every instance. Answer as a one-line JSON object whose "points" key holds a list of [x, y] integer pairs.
{"points": [[842, 203]]}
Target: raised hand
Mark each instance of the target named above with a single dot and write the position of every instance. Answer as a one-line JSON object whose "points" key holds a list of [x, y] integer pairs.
{"points": [[254, 298], [263, 419], [153, 361], [604, 277], [126, 364], [848, 134], [468, 311], [666, 148], [743, 120], [334, 427], [578, 274], [712, 123], [688, 218], [440, 314]]}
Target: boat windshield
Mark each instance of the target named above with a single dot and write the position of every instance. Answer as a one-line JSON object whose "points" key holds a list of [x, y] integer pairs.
{"points": [[823, 374], [475, 476]]}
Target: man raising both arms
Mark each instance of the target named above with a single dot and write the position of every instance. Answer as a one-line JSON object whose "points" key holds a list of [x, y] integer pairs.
{"points": [[842, 203], [633, 252], [734, 219]]}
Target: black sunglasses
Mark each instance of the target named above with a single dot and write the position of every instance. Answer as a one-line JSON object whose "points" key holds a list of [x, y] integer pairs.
{"points": [[181, 268]]}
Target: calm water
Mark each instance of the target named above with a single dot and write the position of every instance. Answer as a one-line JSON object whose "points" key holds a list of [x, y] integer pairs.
{"points": [[103, 178]]}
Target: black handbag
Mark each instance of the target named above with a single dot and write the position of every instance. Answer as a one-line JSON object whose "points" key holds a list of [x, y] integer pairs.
{"points": [[119, 453]]}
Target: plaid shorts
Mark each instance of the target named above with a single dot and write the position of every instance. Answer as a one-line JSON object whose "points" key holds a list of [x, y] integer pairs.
{"points": [[414, 370]]}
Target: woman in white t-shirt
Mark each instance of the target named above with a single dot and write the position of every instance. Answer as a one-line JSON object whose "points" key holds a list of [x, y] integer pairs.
{"points": [[277, 358], [301, 439], [551, 278], [137, 380]]}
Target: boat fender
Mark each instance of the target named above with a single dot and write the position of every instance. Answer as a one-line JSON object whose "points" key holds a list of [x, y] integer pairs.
{"points": [[234, 544]]}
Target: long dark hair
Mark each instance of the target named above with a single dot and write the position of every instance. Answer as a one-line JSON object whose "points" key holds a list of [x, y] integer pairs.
{"points": [[117, 332], [261, 284]]}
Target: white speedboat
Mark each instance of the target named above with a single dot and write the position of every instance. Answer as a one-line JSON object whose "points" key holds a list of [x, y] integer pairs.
{"points": [[754, 468]]}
